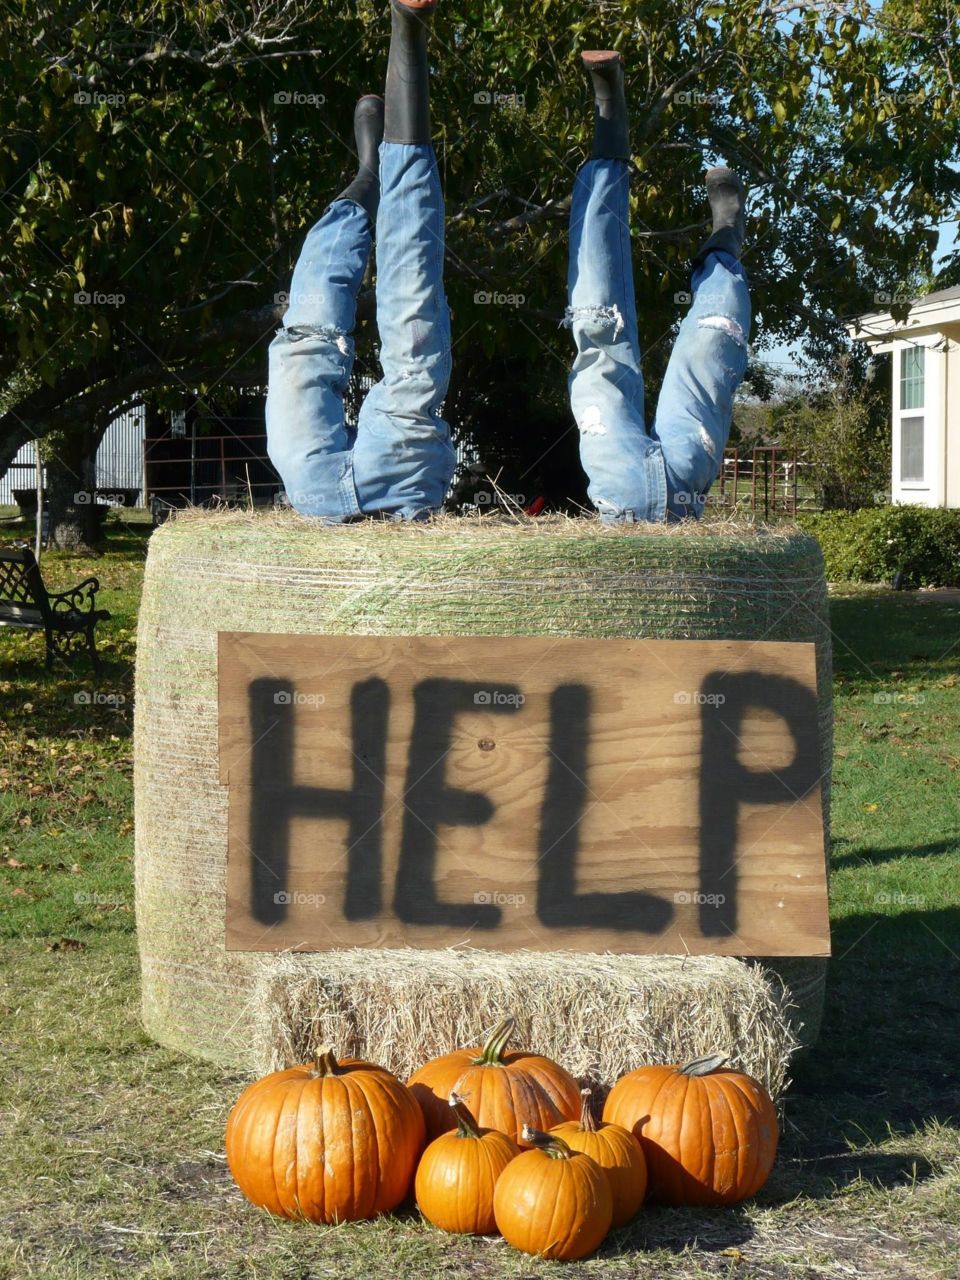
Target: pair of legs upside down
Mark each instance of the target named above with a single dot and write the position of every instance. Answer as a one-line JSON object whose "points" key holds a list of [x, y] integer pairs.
{"points": [[399, 460]]}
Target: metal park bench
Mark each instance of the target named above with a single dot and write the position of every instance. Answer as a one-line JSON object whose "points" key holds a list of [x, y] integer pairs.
{"points": [[67, 618]]}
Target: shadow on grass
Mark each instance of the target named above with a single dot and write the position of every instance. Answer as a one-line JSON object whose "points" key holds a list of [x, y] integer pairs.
{"points": [[70, 700], [874, 635], [658, 1227], [885, 1064], [849, 853]]}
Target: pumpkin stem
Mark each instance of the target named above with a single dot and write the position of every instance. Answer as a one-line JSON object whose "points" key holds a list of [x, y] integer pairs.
{"points": [[705, 1066], [492, 1055], [466, 1125], [325, 1064], [587, 1122], [549, 1143]]}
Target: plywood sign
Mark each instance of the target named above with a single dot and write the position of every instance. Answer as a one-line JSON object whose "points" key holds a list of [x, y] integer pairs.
{"points": [[541, 792]]}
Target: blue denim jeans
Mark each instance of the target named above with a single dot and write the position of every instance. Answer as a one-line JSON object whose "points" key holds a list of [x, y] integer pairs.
{"points": [[666, 473], [398, 460]]}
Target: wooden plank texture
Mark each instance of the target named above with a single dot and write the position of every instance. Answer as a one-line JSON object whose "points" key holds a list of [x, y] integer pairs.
{"points": [[548, 793]]}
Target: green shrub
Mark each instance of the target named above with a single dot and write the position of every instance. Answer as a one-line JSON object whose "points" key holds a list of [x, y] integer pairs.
{"points": [[877, 543]]}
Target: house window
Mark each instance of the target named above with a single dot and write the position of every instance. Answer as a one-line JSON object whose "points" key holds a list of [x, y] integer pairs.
{"points": [[911, 377], [911, 448]]}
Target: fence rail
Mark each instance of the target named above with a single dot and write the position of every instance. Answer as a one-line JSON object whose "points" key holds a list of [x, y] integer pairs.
{"points": [[764, 479]]}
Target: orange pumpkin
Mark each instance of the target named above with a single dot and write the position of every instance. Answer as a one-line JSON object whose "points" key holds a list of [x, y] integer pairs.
{"points": [[458, 1172], [616, 1151], [328, 1141], [709, 1134], [503, 1090], [553, 1201]]}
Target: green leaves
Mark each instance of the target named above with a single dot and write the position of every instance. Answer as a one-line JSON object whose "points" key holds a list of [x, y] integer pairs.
{"points": [[166, 186]]}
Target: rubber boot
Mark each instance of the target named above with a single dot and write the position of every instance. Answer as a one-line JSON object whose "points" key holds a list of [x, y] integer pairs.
{"points": [[727, 197], [368, 132], [407, 112], [611, 121]]}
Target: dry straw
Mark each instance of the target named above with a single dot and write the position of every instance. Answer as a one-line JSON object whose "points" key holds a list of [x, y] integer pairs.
{"points": [[276, 572], [600, 1015]]}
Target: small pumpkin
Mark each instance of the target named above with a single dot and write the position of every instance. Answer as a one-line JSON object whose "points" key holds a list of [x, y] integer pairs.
{"points": [[458, 1172], [709, 1133], [553, 1201], [327, 1141], [503, 1090], [617, 1152]]}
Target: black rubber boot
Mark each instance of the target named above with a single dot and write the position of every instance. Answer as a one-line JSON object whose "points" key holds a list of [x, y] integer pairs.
{"points": [[368, 131], [611, 121], [727, 197], [408, 76]]}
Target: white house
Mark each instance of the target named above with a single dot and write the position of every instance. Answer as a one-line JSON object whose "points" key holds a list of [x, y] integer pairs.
{"points": [[925, 355]]}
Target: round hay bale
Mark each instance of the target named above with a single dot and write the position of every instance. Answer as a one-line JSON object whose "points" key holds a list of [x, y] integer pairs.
{"points": [[277, 572]]}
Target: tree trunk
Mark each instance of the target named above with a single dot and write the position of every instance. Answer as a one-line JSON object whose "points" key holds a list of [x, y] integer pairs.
{"points": [[75, 518]]}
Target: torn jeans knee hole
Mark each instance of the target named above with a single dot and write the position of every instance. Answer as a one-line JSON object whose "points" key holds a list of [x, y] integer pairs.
{"points": [[727, 325], [596, 315], [339, 337], [592, 423]]}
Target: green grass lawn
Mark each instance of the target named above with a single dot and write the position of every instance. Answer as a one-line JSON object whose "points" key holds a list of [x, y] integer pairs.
{"points": [[111, 1152]]}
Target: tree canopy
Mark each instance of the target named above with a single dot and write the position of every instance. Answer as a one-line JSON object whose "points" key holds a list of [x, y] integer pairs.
{"points": [[160, 163]]}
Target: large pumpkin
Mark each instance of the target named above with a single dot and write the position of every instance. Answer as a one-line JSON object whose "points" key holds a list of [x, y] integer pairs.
{"points": [[552, 1200], [616, 1151], [328, 1141], [709, 1133], [458, 1172], [504, 1090]]}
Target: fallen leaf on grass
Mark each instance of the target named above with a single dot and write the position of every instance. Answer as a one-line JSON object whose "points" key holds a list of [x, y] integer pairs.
{"points": [[67, 944], [13, 862], [870, 808]]}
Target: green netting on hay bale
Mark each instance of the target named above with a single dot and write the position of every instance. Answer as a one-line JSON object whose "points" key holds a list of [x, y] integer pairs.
{"points": [[280, 573]]}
